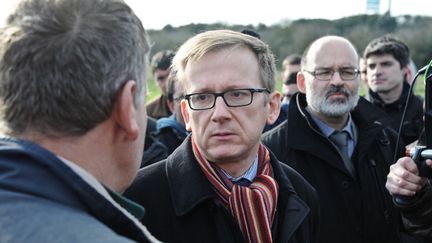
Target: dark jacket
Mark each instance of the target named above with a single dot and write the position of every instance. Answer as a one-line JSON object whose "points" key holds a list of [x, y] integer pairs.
{"points": [[154, 150], [181, 205], [417, 213], [160, 142], [158, 108], [413, 121], [44, 200], [352, 209]]}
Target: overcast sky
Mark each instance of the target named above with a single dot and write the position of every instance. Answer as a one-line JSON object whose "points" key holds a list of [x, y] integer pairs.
{"points": [[155, 14]]}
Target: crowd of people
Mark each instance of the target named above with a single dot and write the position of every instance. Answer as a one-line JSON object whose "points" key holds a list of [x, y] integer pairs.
{"points": [[221, 155]]}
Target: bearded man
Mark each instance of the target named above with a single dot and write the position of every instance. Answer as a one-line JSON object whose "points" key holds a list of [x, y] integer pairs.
{"points": [[336, 141]]}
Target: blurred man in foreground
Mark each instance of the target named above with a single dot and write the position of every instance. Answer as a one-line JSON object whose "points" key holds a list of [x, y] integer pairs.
{"points": [[72, 92]]}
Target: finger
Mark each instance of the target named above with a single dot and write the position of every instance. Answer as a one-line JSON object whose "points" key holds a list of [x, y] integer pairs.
{"points": [[408, 164], [429, 162], [394, 189]]}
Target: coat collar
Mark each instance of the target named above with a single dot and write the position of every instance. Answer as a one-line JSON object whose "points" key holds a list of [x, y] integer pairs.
{"points": [[189, 187], [301, 126]]}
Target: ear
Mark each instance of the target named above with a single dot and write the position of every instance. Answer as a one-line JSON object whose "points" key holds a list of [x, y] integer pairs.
{"points": [[185, 114], [408, 74], [125, 112], [274, 107], [170, 104], [301, 82]]}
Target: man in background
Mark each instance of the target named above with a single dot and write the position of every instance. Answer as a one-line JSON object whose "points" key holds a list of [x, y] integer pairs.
{"points": [[388, 73], [335, 140], [169, 131], [160, 65], [72, 92]]}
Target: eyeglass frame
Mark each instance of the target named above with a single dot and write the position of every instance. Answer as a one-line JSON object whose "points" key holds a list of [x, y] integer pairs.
{"points": [[333, 71], [221, 94]]}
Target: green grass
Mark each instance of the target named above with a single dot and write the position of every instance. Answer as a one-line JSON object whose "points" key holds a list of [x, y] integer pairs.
{"points": [[152, 88]]}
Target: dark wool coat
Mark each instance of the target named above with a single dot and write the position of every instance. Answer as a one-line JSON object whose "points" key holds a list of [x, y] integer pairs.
{"points": [[181, 205], [352, 209]]}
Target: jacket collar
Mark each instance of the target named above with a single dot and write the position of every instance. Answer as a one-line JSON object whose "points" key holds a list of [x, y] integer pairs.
{"points": [[301, 126], [375, 99], [191, 190]]}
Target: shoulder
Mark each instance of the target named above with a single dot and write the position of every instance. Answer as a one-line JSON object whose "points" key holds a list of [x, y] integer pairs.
{"points": [[26, 214], [299, 183], [273, 137], [149, 180]]}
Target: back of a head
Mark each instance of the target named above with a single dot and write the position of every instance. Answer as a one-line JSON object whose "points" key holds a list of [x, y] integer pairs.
{"points": [[162, 60], [292, 59], [388, 44], [199, 45], [62, 63]]}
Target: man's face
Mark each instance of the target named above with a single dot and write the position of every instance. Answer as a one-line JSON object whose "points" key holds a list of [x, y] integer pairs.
{"points": [[161, 78], [335, 97], [384, 73], [228, 134], [288, 90]]}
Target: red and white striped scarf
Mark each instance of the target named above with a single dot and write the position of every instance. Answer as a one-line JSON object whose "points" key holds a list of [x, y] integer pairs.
{"points": [[253, 207]]}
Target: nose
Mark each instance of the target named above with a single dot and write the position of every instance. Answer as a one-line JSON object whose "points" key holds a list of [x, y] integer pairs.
{"points": [[336, 78], [221, 110]]}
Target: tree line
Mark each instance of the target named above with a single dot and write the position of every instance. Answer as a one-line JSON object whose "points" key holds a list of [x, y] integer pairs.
{"points": [[293, 36]]}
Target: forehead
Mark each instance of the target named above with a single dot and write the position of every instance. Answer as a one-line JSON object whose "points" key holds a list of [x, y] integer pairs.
{"points": [[332, 53], [380, 58], [218, 70]]}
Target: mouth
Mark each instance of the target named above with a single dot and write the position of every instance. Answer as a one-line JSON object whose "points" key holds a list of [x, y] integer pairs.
{"points": [[222, 135], [378, 81], [337, 94]]}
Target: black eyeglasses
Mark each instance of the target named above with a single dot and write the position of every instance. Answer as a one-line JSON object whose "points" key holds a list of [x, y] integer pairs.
{"points": [[232, 98], [325, 74]]}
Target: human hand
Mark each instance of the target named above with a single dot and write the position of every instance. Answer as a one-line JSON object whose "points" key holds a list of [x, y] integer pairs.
{"points": [[403, 178]]}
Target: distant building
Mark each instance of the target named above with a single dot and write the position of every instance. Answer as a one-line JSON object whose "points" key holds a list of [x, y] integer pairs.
{"points": [[372, 6]]}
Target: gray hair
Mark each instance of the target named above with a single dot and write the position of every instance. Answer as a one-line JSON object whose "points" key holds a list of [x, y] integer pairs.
{"points": [[63, 62]]}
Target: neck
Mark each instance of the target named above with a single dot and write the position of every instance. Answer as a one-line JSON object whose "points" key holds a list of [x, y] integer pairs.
{"points": [[237, 167], [86, 152], [392, 95]]}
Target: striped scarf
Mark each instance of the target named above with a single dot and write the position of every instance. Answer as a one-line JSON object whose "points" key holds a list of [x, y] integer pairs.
{"points": [[253, 207]]}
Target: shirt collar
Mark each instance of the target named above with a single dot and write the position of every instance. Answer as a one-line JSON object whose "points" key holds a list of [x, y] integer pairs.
{"points": [[249, 175], [327, 130]]}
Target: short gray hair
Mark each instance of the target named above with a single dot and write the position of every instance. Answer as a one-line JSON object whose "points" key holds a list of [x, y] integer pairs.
{"points": [[63, 62]]}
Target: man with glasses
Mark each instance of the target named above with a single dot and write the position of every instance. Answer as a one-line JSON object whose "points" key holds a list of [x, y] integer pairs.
{"points": [[222, 184], [335, 140]]}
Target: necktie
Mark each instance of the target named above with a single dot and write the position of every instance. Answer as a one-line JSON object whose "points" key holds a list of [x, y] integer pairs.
{"points": [[340, 139]]}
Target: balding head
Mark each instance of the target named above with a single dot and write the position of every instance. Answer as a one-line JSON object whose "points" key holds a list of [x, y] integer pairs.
{"points": [[325, 48], [329, 77]]}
